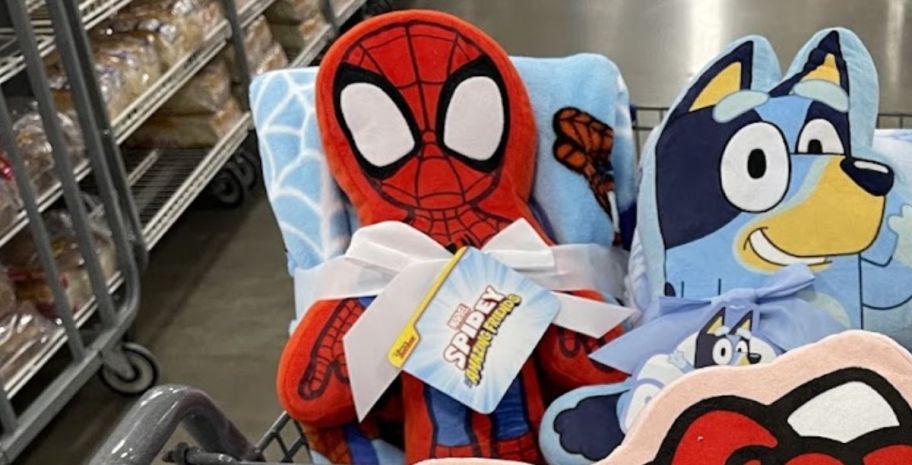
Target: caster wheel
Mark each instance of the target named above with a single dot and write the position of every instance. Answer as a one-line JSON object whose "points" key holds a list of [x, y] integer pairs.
{"points": [[245, 170], [145, 372], [227, 189]]}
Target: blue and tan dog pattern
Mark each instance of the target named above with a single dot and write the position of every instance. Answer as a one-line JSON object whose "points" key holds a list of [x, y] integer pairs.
{"points": [[751, 172]]}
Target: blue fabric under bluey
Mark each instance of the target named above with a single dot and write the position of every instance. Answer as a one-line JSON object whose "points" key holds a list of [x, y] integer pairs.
{"points": [[311, 211]]}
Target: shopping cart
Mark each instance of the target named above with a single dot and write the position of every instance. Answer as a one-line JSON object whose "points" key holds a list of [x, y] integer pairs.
{"points": [[146, 432]]}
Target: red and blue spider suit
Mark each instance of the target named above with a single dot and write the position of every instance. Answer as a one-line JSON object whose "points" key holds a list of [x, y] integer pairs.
{"points": [[425, 120]]}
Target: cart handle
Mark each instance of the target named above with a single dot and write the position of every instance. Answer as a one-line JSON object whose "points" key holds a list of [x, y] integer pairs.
{"points": [[145, 430]]}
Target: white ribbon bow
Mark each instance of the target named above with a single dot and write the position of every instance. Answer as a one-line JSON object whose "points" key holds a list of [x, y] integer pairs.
{"points": [[397, 263]]}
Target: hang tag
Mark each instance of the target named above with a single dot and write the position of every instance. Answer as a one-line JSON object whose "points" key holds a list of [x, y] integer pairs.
{"points": [[474, 329]]}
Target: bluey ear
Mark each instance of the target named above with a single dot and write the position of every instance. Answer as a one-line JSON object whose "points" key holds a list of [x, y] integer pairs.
{"points": [[838, 56], [729, 73], [745, 322], [714, 323], [824, 62]]}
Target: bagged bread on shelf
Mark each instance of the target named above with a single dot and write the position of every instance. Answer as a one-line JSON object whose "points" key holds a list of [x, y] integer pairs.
{"points": [[139, 62], [170, 45], [257, 42], [111, 82], [295, 37], [184, 15], [8, 302], [205, 93], [9, 203], [23, 334], [292, 11], [178, 27], [29, 278], [273, 59], [187, 131], [35, 148]]}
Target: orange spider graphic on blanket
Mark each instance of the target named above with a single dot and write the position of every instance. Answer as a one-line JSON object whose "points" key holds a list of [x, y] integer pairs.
{"points": [[425, 120]]}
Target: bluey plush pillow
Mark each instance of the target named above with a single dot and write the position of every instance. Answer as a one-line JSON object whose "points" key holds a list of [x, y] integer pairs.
{"points": [[750, 172], [584, 189]]}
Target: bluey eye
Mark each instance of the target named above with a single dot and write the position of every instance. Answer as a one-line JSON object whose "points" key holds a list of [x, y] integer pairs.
{"points": [[741, 347], [819, 136], [474, 123], [722, 352], [755, 168], [378, 127]]}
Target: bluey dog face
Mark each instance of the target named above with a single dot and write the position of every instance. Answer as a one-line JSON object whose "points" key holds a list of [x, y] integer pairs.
{"points": [[720, 344], [770, 173]]}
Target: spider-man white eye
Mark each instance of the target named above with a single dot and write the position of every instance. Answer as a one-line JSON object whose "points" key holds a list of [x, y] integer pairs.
{"points": [[377, 126], [474, 123]]}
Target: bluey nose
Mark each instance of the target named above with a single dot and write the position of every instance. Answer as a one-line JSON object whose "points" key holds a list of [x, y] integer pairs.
{"points": [[875, 178]]}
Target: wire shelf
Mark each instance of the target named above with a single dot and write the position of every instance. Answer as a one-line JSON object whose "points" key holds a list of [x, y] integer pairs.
{"points": [[177, 177], [306, 55], [92, 13], [32, 5], [349, 9], [153, 98], [11, 60], [82, 315], [252, 10]]}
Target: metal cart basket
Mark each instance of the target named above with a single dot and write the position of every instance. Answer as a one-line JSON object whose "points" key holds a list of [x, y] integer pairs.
{"points": [[144, 433]]}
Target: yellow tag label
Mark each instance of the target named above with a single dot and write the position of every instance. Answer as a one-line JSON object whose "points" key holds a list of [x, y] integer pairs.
{"points": [[409, 338]]}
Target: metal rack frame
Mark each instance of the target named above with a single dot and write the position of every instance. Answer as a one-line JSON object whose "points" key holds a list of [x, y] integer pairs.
{"points": [[142, 194], [88, 355]]}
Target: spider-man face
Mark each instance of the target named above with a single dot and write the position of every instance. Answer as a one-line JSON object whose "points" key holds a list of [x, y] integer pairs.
{"points": [[429, 114]]}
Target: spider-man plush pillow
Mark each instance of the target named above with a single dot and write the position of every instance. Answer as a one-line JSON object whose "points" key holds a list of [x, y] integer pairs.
{"points": [[424, 120], [577, 101]]}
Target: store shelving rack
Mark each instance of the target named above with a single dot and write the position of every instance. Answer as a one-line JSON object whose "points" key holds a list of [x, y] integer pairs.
{"points": [[102, 348], [142, 193]]}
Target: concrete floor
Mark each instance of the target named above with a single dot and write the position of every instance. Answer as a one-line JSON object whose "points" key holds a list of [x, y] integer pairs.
{"points": [[217, 300]]}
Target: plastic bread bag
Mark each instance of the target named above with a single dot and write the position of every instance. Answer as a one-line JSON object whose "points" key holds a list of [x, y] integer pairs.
{"points": [[30, 134], [295, 37], [274, 59], [23, 334], [184, 15], [8, 302], [29, 278], [110, 81], [207, 92], [137, 53], [292, 11], [164, 36], [35, 148], [210, 14], [9, 202], [187, 131], [257, 41]]}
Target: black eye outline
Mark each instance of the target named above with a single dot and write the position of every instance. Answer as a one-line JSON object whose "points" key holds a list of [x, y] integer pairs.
{"points": [[482, 66], [347, 75], [734, 194]]}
